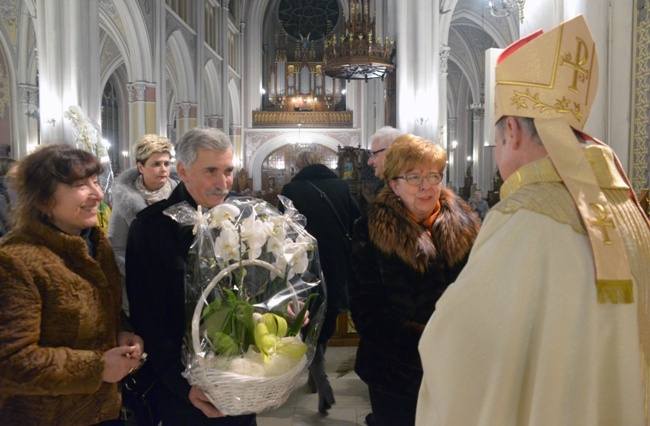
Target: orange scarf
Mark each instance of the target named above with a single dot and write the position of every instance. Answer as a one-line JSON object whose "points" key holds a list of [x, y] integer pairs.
{"points": [[428, 222]]}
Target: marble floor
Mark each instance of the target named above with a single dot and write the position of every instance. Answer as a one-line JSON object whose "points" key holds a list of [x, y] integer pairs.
{"points": [[301, 409]]}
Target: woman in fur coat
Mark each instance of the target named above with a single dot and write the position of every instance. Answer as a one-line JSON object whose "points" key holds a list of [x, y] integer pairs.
{"points": [[136, 188], [410, 245], [61, 352]]}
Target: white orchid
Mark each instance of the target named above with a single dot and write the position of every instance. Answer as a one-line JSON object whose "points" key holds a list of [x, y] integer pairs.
{"points": [[223, 213], [228, 244], [250, 237], [293, 255], [252, 232]]}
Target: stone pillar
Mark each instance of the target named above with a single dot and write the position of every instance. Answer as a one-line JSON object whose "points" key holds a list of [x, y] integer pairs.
{"points": [[142, 110], [67, 36], [28, 122], [225, 71], [443, 131], [478, 169], [452, 143], [418, 65], [236, 139], [185, 118]]}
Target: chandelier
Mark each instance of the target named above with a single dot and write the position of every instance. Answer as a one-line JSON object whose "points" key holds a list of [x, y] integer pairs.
{"points": [[356, 55], [502, 8]]}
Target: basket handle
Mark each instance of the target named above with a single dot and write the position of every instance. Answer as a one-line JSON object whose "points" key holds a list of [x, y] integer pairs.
{"points": [[196, 318]]}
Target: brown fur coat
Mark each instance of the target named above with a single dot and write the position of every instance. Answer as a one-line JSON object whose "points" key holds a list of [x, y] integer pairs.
{"points": [[59, 312]]}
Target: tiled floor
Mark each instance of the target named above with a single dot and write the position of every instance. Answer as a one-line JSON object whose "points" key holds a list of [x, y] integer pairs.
{"points": [[301, 409]]}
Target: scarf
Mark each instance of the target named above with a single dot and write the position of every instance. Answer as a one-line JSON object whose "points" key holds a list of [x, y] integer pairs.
{"points": [[428, 222], [152, 197]]}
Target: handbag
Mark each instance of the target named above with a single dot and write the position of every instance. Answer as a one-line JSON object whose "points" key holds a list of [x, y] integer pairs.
{"points": [[137, 399], [324, 196]]}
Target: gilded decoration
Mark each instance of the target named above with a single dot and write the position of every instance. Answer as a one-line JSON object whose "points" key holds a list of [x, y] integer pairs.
{"points": [[640, 101], [561, 106]]}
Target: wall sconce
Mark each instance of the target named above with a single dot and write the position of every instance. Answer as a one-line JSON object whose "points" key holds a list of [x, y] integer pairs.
{"points": [[51, 121], [469, 159], [421, 120], [125, 154], [454, 144]]}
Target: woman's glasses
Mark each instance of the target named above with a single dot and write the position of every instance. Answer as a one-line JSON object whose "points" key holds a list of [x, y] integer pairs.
{"points": [[416, 180]]}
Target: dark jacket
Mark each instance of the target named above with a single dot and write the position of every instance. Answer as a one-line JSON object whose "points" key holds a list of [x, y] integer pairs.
{"points": [[156, 251], [400, 272], [59, 312], [333, 245]]}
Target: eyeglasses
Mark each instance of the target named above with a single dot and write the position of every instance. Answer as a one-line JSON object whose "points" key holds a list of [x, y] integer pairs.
{"points": [[373, 153], [416, 180]]}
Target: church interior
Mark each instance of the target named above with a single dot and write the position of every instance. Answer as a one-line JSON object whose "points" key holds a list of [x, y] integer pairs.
{"points": [[281, 76]]}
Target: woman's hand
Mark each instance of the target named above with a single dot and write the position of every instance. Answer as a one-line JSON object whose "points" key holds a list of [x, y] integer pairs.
{"points": [[292, 314], [200, 401], [126, 338], [118, 362]]}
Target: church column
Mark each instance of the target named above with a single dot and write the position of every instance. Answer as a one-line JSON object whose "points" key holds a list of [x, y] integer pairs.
{"points": [[442, 97], [419, 65], [478, 169], [28, 121], [186, 114], [225, 71], [235, 138], [239, 139], [142, 110], [452, 143], [199, 60], [159, 60], [67, 36], [215, 121]]}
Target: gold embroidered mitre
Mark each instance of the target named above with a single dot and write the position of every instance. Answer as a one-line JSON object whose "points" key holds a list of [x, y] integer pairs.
{"points": [[552, 78], [549, 75]]}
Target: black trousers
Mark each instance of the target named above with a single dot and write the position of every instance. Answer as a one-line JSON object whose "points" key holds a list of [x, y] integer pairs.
{"points": [[391, 410], [179, 412]]}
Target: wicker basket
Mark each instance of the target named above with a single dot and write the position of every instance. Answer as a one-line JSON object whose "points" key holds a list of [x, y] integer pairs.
{"points": [[235, 394]]}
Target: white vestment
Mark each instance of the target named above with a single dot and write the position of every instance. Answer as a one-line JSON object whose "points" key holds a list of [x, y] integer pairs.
{"points": [[520, 338]]}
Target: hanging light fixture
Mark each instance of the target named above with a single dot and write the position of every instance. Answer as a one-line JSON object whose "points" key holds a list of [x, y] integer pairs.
{"points": [[356, 55], [502, 8]]}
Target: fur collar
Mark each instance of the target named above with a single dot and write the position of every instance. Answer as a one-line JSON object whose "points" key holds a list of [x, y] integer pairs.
{"points": [[395, 233], [126, 198]]}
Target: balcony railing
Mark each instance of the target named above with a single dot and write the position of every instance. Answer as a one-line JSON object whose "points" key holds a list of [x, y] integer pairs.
{"points": [[304, 118]]}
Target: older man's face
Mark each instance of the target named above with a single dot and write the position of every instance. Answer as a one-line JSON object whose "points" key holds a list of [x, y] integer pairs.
{"points": [[376, 159], [210, 178]]}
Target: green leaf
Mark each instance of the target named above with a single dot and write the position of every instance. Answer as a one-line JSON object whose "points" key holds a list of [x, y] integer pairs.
{"points": [[297, 323]]}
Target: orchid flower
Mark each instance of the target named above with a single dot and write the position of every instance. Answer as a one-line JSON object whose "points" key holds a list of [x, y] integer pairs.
{"points": [[252, 232], [223, 213], [227, 244]]}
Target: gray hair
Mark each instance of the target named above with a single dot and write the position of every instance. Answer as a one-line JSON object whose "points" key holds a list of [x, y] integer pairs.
{"points": [[385, 136], [200, 138], [526, 123]]}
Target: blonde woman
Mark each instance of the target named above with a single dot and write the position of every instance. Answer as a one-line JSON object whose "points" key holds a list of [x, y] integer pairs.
{"points": [[152, 180]]}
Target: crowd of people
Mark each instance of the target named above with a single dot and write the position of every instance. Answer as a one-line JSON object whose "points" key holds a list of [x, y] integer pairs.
{"points": [[535, 312]]}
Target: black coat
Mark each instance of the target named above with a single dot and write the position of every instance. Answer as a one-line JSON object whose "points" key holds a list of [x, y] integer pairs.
{"points": [[156, 253], [400, 272], [333, 245]]}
